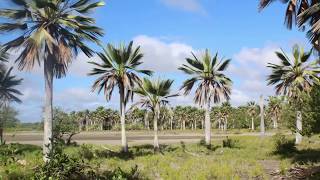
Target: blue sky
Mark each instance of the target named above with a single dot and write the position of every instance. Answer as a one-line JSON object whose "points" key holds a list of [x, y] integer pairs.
{"points": [[168, 30]]}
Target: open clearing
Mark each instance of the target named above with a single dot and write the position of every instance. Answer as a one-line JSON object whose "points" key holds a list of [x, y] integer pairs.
{"points": [[134, 137], [250, 157]]}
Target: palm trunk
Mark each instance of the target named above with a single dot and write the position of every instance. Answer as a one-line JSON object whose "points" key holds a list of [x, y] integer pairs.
{"points": [[275, 124], [1, 136], [122, 120], [48, 116], [262, 127], [299, 128], [146, 124], [207, 125], [171, 124], [252, 123], [226, 124], [195, 125], [1, 127], [155, 128]]}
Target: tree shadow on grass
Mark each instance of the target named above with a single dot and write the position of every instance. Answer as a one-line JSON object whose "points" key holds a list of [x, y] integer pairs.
{"points": [[135, 151], [304, 156], [307, 156]]}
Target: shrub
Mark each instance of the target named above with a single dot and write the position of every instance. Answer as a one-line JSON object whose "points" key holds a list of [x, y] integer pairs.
{"points": [[230, 143], [86, 152], [119, 174], [61, 166], [10, 153], [283, 145]]}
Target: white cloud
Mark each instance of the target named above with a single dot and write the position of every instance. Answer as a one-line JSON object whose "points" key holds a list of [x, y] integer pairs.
{"points": [[80, 65], [249, 67], [161, 56], [186, 5], [239, 97]]}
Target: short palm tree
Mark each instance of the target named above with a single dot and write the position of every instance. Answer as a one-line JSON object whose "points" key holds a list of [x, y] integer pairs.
{"points": [[119, 68], [275, 106], [52, 32], [154, 95], [252, 111], [212, 84], [293, 77]]}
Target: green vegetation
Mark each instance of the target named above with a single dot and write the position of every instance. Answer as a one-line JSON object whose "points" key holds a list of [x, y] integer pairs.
{"points": [[176, 161], [53, 32]]}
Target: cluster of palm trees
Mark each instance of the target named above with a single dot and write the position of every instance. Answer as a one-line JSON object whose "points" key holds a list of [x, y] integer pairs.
{"points": [[53, 32], [119, 67]]}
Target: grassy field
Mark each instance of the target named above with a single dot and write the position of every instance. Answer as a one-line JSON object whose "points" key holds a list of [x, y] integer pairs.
{"points": [[247, 157]]}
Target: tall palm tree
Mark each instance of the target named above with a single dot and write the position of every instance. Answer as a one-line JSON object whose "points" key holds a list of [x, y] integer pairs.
{"points": [[154, 95], [8, 91], [52, 31], [292, 77], [119, 67], [212, 84], [301, 13], [252, 111]]}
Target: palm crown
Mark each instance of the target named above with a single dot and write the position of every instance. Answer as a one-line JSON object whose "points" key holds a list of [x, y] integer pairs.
{"points": [[154, 93], [252, 108], [207, 72], [291, 77], [51, 29], [8, 82], [119, 67], [302, 13], [294, 7]]}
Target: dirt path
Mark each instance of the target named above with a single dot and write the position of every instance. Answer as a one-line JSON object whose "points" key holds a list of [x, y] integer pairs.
{"points": [[135, 137], [272, 169]]}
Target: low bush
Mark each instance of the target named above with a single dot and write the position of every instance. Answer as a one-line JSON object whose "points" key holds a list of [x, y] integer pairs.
{"points": [[230, 143], [283, 145], [64, 167], [86, 152], [61, 166]]}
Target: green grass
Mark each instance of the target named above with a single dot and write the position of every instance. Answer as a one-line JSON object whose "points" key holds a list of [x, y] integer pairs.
{"points": [[185, 161]]}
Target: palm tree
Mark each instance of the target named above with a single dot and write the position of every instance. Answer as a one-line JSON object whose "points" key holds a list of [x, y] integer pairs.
{"points": [[294, 8], [293, 77], [118, 68], [154, 95], [226, 111], [252, 111], [301, 13], [8, 91], [208, 74], [53, 32], [275, 106]]}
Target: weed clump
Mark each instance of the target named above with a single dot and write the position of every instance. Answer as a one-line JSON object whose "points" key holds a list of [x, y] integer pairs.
{"points": [[230, 143], [283, 145]]}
